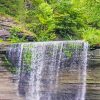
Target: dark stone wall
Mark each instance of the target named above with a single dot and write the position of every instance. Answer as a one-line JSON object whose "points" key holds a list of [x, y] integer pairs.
{"points": [[93, 76]]}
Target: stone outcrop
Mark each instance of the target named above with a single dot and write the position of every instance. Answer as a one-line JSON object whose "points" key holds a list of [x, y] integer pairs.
{"points": [[6, 23], [4, 34]]}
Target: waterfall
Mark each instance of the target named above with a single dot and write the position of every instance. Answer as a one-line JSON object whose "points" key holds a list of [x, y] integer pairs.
{"points": [[14, 55], [54, 70]]}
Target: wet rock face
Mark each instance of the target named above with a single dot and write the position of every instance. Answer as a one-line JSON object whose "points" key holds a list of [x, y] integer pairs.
{"points": [[8, 89], [29, 38], [93, 76], [4, 34], [6, 23]]}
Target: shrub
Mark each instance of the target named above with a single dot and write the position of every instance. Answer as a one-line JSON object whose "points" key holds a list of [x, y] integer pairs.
{"points": [[14, 35]]}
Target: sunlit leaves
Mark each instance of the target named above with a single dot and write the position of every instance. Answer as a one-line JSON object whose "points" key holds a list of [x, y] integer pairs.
{"points": [[63, 19], [91, 35]]}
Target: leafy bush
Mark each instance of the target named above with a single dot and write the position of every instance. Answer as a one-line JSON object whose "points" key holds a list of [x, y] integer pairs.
{"points": [[46, 37], [27, 56], [91, 35], [68, 23], [51, 20], [9, 7], [14, 35]]}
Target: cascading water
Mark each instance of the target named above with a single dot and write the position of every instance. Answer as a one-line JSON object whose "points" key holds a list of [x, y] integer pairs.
{"points": [[14, 55], [51, 70]]}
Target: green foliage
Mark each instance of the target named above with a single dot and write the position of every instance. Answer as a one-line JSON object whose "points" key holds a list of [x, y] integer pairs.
{"points": [[41, 21], [92, 35], [58, 19], [9, 66], [68, 20], [21, 11], [15, 30], [91, 31], [27, 56], [92, 9], [1, 40], [51, 20], [9, 7], [69, 50], [68, 53], [14, 38], [46, 37]]}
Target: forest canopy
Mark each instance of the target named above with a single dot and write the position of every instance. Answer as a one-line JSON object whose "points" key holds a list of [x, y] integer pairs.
{"points": [[57, 19]]}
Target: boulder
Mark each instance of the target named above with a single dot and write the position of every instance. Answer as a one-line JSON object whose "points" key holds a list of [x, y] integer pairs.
{"points": [[4, 34]]}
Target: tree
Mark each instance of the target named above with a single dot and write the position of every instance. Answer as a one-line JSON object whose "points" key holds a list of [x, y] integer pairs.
{"points": [[9, 7], [57, 19]]}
